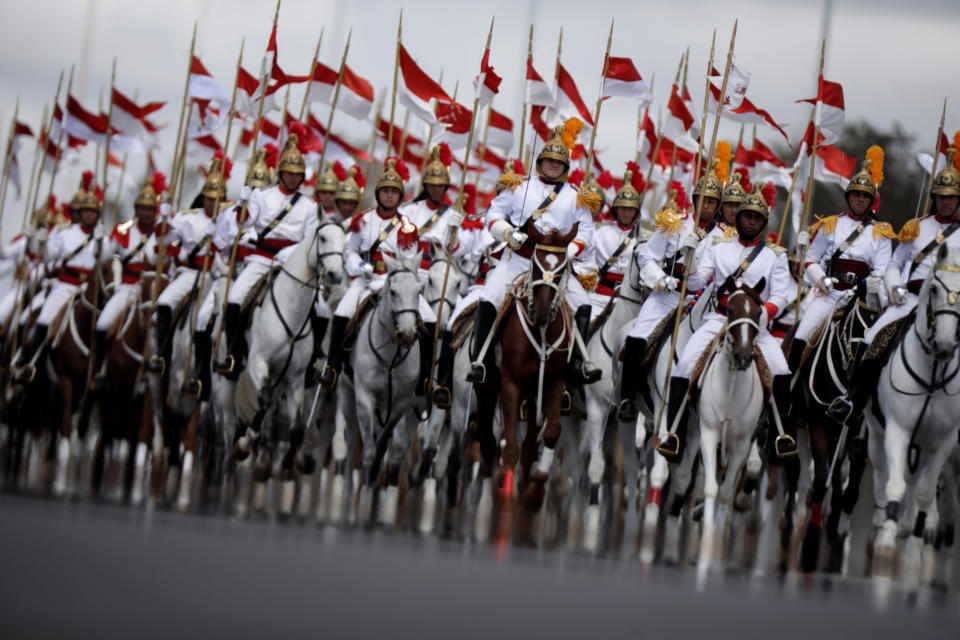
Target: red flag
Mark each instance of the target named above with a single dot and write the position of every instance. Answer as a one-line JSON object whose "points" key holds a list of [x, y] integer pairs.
{"points": [[624, 80], [419, 89], [356, 93], [829, 110], [569, 103], [537, 91], [487, 84]]}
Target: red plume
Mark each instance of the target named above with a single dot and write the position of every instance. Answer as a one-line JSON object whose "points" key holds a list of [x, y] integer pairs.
{"points": [[772, 237], [159, 182], [682, 200], [401, 167], [638, 181], [518, 167], [745, 179], [296, 127], [52, 202], [98, 193], [576, 177], [605, 179], [770, 194], [358, 177], [470, 199], [272, 155], [65, 209], [446, 156], [227, 165], [87, 180], [339, 171]]}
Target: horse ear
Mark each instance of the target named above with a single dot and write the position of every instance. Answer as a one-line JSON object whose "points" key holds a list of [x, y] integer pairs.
{"points": [[534, 234], [727, 286], [760, 286], [391, 262]]}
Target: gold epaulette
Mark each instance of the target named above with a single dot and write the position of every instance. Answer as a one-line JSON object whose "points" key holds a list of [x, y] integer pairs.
{"points": [[828, 223], [669, 221], [510, 181], [883, 230], [777, 249], [728, 232], [910, 231], [589, 200], [587, 280], [197, 210]]}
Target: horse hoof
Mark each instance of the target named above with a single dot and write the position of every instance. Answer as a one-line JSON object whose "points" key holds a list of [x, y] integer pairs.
{"points": [[428, 505], [288, 489], [186, 482], [388, 506]]}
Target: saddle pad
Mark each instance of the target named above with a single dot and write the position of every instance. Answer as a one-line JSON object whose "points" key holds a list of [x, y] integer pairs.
{"points": [[59, 325], [353, 325], [463, 325], [815, 337], [887, 338], [256, 295], [657, 338]]}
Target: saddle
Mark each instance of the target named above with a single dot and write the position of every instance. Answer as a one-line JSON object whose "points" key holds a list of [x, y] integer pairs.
{"points": [[766, 379], [597, 323], [256, 295], [60, 323], [463, 325], [660, 333], [817, 335], [366, 305], [888, 338], [129, 308]]}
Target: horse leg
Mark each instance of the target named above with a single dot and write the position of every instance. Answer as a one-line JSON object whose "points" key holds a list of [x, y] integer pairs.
{"points": [[920, 554], [510, 407], [820, 451], [187, 461], [67, 441], [896, 441], [709, 441], [596, 415]]}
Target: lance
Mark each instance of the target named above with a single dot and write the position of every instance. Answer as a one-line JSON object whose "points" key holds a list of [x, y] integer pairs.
{"points": [[676, 83], [703, 121], [523, 113], [808, 202], [393, 96], [38, 155], [6, 157], [481, 151], [333, 105], [453, 236], [642, 112], [187, 382], [596, 115], [426, 150], [242, 215], [56, 157], [793, 184], [174, 170], [106, 147], [378, 118], [313, 69], [689, 260], [925, 192]]}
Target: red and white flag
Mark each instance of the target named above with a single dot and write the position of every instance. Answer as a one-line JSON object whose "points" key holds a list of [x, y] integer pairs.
{"points": [[419, 89], [269, 132], [130, 118], [276, 76], [487, 84], [538, 92], [83, 124], [356, 93], [20, 131], [745, 112], [203, 86], [763, 159], [68, 151], [646, 142], [828, 111], [834, 166], [568, 103], [247, 88], [926, 160], [337, 148], [455, 119], [208, 142], [624, 80], [538, 123], [678, 122], [737, 82], [500, 131], [412, 151]]}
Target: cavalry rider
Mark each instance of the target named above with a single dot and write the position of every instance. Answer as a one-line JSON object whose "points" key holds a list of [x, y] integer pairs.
{"points": [[663, 262], [546, 202], [348, 195], [733, 196], [908, 268], [186, 240], [747, 260], [846, 249], [373, 234], [325, 189], [128, 246], [74, 253], [280, 217]]}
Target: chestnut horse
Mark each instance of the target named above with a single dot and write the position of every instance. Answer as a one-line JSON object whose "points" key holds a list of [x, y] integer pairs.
{"points": [[535, 353]]}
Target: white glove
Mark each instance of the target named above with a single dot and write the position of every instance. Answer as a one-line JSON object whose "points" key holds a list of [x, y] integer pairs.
{"points": [[245, 192], [572, 251], [366, 271], [690, 243], [454, 219], [899, 295], [165, 211], [515, 238], [99, 232], [827, 283], [803, 239], [874, 284], [668, 284]]}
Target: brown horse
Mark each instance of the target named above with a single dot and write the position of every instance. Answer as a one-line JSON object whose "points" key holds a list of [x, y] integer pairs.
{"points": [[535, 352]]}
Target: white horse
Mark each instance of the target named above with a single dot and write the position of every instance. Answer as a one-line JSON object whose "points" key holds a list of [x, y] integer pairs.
{"points": [[730, 407], [378, 390], [919, 398]]}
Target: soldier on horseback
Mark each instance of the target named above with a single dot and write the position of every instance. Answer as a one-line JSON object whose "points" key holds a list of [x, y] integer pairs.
{"points": [[546, 202], [348, 196], [325, 189], [743, 260], [911, 263], [279, 218], [128, 247]]}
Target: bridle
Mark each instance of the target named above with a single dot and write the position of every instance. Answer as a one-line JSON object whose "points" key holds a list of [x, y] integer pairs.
{"points": [[554, 278], [730, 324], [395, 314], [442, 301]]}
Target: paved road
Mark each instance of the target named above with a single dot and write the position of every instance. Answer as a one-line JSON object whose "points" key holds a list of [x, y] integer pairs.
{"points": [[75, 569]]}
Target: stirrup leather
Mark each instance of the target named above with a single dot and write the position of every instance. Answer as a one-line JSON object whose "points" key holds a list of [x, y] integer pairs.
{"points": [[26, 373]]}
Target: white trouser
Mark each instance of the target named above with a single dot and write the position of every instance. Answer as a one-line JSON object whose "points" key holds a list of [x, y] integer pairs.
{"points": [[122, 296], [36, 303], [60, 294], [654, 309], [320, 306], [711, 326], [179, 288], [893, 312], [598, 302], [253, 272], [9, 300], [819, 307], [500, 279], [207, 308], [472, 295], [359, 289]]}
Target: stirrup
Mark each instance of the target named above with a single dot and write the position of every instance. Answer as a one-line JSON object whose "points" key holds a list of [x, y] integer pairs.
{"points": [[329, 381], [156, 364], [523, 413], [441, 397], [566, 403], [192, 387], [478, 373], [25, 374], [785, 446], [627, 411], [669, 446], [840, 409], [226, 366], [590, 372]]}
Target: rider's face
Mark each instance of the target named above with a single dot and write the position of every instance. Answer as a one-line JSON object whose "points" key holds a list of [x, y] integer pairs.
{"points": [[389, 197], [625, 215], [89, 217], [859, 202], [346, 208], [709, 208], [946, 205], [752, 223], [435, 192], [145, 214], [729, 212], [552, 169], [327, 200], [290, 181]]}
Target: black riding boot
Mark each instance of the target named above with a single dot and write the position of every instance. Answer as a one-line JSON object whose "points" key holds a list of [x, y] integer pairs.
{"points": [[783, 445], [331, 370], [671, 443], [442, 393], [486, 317], [28, 370], [199, 387], [630, 377], [797, 348], [100, 346], [424, 382], [318, 327], [582, 371], [162, 330], [864, 374], [230, 365]]}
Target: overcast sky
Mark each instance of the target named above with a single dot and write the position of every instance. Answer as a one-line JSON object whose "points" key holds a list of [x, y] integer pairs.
{"points": [[896, 60]]}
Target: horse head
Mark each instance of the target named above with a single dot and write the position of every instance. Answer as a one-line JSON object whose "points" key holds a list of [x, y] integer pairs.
{"points": [[547, 270], [744, 306], [400, 297], [433, 290], [941, 300], [331, 240]]}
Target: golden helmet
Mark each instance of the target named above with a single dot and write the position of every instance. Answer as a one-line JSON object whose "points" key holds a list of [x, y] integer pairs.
{"points": [[88, 196], [671, 206], [292, 160], [947, 182], [149, 195], [561, 142], [437, 170], [46, 215], [709, 185], [328, 180], [591, 185], [216, 183], [259, 175], [349, 189], [757, 201], [734, 191], [627, 196], [393, 175]]}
